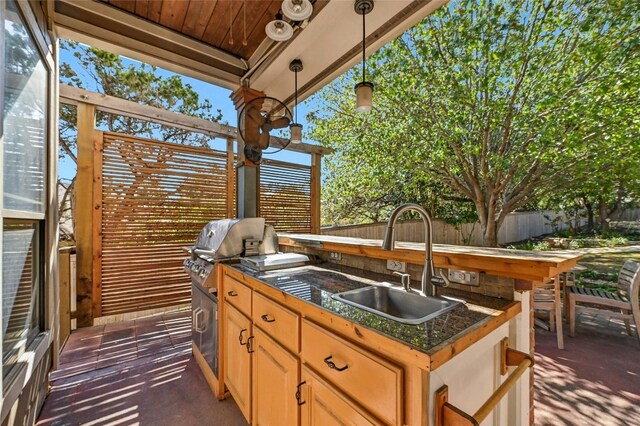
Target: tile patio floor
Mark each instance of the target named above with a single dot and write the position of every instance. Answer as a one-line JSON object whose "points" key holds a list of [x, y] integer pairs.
{"points": [[142, 373], [595, 380], [134, 373]]}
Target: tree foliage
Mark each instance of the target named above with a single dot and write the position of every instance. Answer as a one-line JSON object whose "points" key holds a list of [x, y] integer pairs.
{"points": [[500, 103]]}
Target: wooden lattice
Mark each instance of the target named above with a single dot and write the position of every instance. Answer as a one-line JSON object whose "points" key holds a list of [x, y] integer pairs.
{"points": [[285, 196], [156, 197]]}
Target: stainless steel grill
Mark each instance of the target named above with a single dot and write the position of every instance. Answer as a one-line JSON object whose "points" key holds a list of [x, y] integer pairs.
{"points": [[229, 240]]}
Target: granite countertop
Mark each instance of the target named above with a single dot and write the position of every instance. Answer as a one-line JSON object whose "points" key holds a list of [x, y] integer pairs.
{"points": [[315, 284]]}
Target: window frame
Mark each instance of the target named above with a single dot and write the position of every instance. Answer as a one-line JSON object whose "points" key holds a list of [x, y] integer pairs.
{"points": [[40, 338]]}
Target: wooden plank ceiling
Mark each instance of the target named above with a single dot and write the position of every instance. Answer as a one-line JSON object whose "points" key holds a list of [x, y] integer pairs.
{"points": [[219, 23]]}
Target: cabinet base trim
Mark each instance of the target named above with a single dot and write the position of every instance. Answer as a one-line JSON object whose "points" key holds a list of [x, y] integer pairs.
{"points": [[211, 379]]}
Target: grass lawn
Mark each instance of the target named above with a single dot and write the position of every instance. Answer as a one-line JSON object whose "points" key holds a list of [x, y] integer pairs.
{"points": [[608, 263]]}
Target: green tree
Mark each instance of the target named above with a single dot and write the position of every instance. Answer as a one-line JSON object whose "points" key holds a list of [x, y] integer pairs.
{"points": [[497, 101]]}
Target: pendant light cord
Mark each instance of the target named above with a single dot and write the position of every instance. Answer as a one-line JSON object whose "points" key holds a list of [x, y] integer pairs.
{"points": [[364, 76], [295, 107]]}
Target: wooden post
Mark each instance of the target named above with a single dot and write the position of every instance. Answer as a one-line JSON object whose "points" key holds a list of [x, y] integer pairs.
{"points": [[84, 214], [231, 178], [247, 177], [98, 140], [316, 169], [65, 296]]}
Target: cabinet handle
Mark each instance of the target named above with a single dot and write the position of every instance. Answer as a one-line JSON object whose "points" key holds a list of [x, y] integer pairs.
{"points": [[299, 394], [249, 350], [232, 293], [333, 366], [240, 338], [265, 318]]}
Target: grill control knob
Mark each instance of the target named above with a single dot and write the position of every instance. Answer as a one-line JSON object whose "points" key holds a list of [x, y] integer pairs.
{"points": [[202, 274]]}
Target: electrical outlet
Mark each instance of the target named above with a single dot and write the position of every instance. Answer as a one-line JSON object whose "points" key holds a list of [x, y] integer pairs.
{"points": [[464, 277], [396, 265], [335, 256]]}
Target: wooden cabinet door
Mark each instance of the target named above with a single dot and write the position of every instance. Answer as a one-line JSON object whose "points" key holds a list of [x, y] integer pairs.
{"points": [[275, 377], [237, 360], [325, 405]]}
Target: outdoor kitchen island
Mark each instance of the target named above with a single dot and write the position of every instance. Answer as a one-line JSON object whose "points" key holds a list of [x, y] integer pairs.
{"points": [[290, 353]]}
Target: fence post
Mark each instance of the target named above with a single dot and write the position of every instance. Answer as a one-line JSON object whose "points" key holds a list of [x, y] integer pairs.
{"points": [[84, 214], [316, 167]]}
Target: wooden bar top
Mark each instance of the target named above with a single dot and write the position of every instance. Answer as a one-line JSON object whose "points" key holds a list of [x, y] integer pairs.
{"points": [[528, 268]]}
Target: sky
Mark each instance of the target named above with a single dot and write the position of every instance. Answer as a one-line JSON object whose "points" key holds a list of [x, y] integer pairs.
{"points": [[219, 98]]}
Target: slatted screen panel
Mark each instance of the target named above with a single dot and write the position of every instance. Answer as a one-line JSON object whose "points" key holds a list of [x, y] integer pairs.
{"points": [[285, 196], [156, 198]]}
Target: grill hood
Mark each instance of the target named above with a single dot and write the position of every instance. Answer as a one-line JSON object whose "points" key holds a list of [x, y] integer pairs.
{"points": [[227, 238]]}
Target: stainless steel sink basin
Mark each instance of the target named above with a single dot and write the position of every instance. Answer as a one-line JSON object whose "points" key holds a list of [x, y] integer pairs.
{"points": [[398, 305]]}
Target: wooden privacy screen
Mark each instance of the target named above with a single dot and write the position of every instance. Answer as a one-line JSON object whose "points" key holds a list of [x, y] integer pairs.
{"points": [[156, 197], [285, 196]]}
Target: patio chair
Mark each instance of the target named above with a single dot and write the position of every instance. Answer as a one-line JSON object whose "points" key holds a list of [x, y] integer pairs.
{"points": [[621, 305], [547, 299]]}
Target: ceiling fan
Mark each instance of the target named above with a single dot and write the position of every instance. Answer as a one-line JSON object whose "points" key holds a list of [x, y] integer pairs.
{"points": [[257, 119]]}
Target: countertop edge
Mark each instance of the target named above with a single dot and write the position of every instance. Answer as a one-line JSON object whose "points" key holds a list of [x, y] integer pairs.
{"points": [[530, 269], [451, 347], [429, 360]]}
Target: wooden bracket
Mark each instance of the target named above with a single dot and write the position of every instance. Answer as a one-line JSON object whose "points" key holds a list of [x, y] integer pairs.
{"points": [[450, 415], [511, 357]]}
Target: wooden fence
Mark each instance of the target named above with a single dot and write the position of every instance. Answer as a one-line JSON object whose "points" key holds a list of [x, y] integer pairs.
{"points": [[139, 201], [516, 227]]}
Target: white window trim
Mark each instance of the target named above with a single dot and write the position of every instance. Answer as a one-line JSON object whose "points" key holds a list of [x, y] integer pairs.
{"points": [[35, 352]]}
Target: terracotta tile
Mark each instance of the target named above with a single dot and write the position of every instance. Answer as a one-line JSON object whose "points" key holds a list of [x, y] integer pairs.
{"points": [[74, 355], [73, 368], [125, 334]]}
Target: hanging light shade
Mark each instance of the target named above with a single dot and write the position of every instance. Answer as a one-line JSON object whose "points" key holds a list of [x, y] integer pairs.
{"points": [[364, 96], [364, 89], [296, 128], [297, 10], [279, 30]]}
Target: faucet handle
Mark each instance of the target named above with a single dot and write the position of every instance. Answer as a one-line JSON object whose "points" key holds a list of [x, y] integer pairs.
{"points": [[440, 280], [405, 279]]}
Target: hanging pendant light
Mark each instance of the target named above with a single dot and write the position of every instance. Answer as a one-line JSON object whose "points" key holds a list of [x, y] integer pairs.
{"points": [[296, 128], [364, 89], [297, 10], [279, 30]]}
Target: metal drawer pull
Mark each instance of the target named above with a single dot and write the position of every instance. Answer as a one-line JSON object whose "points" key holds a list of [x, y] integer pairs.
{"points": [[232, 293], [242, 332], [332, 364], [299, 394], [249, 350], [265, 318]]}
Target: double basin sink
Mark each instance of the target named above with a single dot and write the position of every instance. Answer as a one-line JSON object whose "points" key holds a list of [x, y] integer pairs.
{"points": [[398, 305]]}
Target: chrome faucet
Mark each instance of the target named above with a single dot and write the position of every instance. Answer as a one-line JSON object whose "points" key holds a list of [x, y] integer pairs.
{"points": [[429, 277]]}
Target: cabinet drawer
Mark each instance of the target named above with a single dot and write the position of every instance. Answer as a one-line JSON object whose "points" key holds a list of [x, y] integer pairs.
{"points": [[278, 322], [324, 405], [373, 382], [238, 294]]}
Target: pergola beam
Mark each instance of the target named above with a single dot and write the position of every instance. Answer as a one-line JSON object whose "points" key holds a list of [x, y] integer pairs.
{"points": [[110, 104]]}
